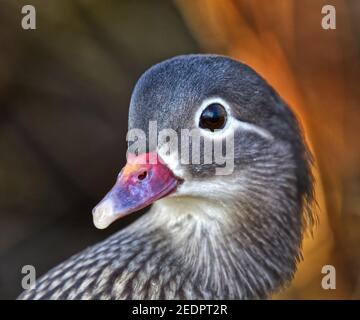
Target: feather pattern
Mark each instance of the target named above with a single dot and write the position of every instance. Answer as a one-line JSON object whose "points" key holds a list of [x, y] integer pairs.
{"points": [[201, 254], [236, 236]]}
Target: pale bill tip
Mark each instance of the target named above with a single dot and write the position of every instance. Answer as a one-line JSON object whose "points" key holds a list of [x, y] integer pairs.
{"points": [[103, 214]]}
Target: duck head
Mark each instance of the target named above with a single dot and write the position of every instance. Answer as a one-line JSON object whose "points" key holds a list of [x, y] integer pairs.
{"points": [[256, 191]]}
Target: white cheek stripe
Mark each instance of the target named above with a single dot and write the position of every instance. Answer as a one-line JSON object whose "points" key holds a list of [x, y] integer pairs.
{"points": [[231, 126], [232, 122], [253, 128]]}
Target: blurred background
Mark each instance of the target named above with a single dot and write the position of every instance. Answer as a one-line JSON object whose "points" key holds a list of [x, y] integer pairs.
{"points": [[64, 95]]}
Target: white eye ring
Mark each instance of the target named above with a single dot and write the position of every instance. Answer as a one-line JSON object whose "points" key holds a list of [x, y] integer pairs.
{"points": [[229, 119], [231, 124]]}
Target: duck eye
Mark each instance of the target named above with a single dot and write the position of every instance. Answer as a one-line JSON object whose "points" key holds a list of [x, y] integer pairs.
{"points": [[213, 117]]}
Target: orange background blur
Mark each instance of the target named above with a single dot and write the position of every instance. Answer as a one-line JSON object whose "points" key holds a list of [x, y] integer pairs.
{"points": [[317, 72]]}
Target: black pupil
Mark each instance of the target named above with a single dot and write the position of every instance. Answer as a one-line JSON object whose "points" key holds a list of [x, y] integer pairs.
{"points": [[213, 117]]}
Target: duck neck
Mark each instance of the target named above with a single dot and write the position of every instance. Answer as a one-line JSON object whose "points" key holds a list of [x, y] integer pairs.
{"points": [[210, 257]]}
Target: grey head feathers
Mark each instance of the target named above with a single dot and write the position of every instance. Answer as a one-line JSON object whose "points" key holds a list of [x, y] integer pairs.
{"points": [[235, 236]]}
